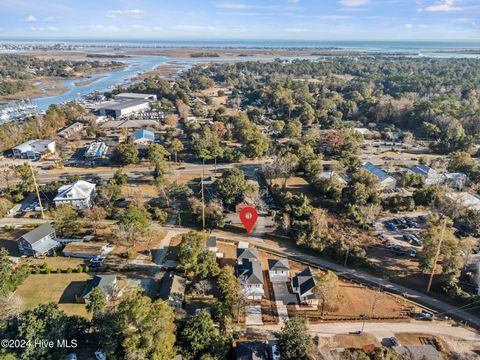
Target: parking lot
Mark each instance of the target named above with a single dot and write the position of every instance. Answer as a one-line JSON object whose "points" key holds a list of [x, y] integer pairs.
{"points": [[401, 234]]}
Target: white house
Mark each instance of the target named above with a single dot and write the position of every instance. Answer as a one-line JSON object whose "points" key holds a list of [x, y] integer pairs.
{"points": [[34, 149], [303, 284], [249, 273], [79, 195], [431, 176], [387, 182], [454, 180], [278, 270]]}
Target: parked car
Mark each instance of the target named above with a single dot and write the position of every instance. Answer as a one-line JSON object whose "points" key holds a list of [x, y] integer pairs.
{"points": [[394, 341], [391, 226], [413, 253], [97, 260]]}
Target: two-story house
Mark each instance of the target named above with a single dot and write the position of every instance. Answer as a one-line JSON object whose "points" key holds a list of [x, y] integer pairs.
{"points": [[249, 273], [278, 270], [80, 195], [303, 283], [41, 241]]}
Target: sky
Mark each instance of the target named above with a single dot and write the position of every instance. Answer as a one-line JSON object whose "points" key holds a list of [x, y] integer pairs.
{"points": [[242, 19]]}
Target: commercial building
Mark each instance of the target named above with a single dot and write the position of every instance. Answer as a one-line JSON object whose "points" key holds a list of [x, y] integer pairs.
{"points": [[96, 150], [133, 96], [79, 195], [143, 137], [119, 109], [34, 149]]}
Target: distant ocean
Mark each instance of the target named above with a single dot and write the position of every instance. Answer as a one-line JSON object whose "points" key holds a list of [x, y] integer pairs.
{"points": [[385, 46]]}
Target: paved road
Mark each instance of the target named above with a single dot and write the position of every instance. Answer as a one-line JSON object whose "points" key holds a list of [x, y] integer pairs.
{"points": [[357, 275], [381, 329], [143, 172]]}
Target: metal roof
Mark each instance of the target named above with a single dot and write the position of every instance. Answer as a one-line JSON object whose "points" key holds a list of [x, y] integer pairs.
{"points": [[375, 170], [144, 134]]}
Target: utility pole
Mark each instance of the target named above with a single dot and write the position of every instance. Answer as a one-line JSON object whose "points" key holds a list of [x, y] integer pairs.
{"points": [[38, 192], [437, 254], [203, 196]]}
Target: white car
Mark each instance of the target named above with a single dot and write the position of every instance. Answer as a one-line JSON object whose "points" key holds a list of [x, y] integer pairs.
{"points": [[97, 260], [413, 253]]}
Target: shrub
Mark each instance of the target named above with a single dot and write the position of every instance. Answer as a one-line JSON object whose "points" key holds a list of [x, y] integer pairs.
{"points": [[37, 271], [47, 271], [87, 269], [80, 269], [59, 271], [69, 270]]}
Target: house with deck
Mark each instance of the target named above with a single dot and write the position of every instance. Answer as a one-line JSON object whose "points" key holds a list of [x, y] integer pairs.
{"points": [[80, 195], [41, 241]]}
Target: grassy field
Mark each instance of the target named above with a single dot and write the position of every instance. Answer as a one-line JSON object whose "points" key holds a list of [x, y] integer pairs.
{"points": [[57, 288]]}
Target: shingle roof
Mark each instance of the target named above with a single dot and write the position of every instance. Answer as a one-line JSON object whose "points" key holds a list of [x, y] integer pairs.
{"points": [[254, 350], [423, 170], [38, 233], [250, 272], [379, 173], [278, 264], [304, 280], [212, 241], [106, 283], [246, 254]]}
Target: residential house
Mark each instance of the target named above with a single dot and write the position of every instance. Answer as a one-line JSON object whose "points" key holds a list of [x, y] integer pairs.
{"points": [[278, 270], [172, 290], [464, 199], [143, 137], [454, 180], [106, 283], [34, 149], [251, 350], [70, 131], [41, 241], [86, 250], [303, 284], [79, 195], [249, 273], [332, 175], [429, 174], [387, 182]]}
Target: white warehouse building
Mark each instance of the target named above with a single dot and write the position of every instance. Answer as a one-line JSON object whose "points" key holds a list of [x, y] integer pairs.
{"points": [[119, 109]]}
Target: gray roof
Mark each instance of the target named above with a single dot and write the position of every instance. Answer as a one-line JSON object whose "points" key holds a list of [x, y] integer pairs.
{"points": [[247, 253], [250, 272], [304, 280], [172, 287], [38, 233], [212, 241], [106, 283], [278, 264], [120, 105], [375, 170], [423, 170], [254, 350]]}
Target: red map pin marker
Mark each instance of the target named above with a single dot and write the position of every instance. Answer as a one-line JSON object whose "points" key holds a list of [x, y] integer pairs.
{"points": [[249, 217]]}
